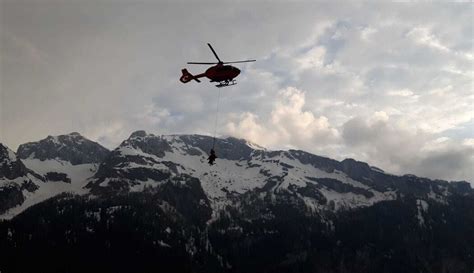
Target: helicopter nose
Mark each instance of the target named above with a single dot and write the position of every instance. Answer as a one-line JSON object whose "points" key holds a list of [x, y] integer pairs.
{"points": [[236, 71]]}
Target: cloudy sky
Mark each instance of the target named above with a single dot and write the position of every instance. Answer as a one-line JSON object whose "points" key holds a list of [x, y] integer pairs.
{"points": [[390, 84]]}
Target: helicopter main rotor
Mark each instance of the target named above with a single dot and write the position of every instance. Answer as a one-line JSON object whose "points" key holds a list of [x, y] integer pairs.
{"points": [[217, 57]]}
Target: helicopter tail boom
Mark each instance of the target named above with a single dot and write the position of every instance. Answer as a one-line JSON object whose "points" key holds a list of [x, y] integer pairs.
{"points": [[186, 77]]}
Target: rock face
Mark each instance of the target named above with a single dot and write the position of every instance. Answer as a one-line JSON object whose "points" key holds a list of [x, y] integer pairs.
{"points": [[154, 204], [72, 148], [47, 168], [16, 180], [11, 167]]}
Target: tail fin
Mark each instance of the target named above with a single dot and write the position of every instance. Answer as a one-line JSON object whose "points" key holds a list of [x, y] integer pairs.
{"points": [[186, 77]]}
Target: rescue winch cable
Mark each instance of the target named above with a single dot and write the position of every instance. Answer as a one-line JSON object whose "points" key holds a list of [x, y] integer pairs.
{"points": [[216, 119]]}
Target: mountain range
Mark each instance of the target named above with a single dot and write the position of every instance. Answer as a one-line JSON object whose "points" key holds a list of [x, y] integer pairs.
{"points": [[154, 204]]}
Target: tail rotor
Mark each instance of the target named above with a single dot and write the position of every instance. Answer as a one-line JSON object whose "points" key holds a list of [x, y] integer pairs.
{"points": [[186, 76]]}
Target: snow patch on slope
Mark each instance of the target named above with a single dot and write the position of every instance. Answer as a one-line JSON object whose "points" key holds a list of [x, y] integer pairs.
{"points": [[79, 175], [422, 207], [30, 198], [241, 176]]}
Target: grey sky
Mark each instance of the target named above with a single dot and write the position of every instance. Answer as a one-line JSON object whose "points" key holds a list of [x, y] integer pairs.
{"points": [[387, 83]]}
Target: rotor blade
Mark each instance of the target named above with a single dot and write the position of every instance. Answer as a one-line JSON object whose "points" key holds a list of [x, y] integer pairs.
{"points": [[247, 61], [200, 63], [215, 54]]}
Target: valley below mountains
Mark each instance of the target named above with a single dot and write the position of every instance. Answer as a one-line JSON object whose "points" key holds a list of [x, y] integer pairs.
{"points": [[153, 204]]}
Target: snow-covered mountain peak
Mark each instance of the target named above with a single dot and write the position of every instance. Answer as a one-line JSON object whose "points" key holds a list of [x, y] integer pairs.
{"points": [[48, 167], [242, 170], [139, 134], [255, 146], [147, 160], [157, 145], [141, 142], [6, 155], [11, 167], [72, 148]]}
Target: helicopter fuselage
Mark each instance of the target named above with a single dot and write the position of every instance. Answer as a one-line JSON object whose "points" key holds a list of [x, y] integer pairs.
{"points": [[219, 73]]}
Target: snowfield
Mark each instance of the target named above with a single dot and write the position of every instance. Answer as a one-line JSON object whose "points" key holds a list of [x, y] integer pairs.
{"points": [[241, 167]]}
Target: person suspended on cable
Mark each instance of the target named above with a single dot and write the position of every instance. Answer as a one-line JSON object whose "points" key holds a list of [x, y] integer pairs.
{"points": [[212, 157]]}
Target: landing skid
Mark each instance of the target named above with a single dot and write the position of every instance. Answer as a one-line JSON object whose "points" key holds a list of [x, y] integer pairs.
{"points": [[226, 83]]}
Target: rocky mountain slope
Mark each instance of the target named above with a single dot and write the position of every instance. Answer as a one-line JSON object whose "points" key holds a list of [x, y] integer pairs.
{"points": [[72, 148], [17, 182], [59, 164], [154, 203], [146, 160]]}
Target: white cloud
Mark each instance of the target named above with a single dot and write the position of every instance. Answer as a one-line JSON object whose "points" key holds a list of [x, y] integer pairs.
{"points": [[468, 142], [314, 58], [401, 93], [366, 33], [394, 80], [153, 115], [288, 124], [424, 36], [248, 127], [108, 134]]}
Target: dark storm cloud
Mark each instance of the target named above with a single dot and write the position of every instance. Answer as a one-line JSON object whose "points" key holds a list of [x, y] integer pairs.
{"points": [[454, 162], [400, 150]]}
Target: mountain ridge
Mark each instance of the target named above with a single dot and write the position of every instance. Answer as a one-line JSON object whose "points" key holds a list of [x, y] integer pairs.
{"points": [[72, 147], [143, 160], [255, 210]]}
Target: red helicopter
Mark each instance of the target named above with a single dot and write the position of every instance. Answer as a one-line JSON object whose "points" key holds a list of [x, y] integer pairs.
{"points": [[221, 73]]}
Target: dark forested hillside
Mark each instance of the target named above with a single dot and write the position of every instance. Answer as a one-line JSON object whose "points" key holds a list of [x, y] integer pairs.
{"points": [[152, 231]]}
